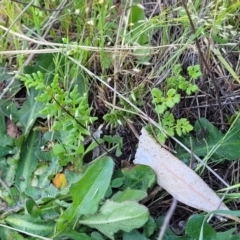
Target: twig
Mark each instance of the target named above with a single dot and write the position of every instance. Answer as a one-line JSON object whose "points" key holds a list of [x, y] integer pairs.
{"points": [[167, 219]]}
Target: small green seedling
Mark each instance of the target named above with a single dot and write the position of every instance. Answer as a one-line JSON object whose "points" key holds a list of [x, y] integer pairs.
{"points": [[176, 84]]}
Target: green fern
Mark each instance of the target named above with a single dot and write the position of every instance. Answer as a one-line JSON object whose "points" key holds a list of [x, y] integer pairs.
{"points": [[66, 108]]}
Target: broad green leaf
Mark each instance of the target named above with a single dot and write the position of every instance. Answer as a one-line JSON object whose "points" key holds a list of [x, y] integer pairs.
{"points": [[44, 63], [227, 235], [27, 162], [29, 224], [150, 226], [208, 137], [87, 193], [194, 225], [29, 112], [74, 235], [113, 217], [3, 129], [8, 170], [133, 235], [9, 109], [129, 194], [97, 236], [117, 182], [7, 234], [139, 177], [136, 21], [6, 142]]}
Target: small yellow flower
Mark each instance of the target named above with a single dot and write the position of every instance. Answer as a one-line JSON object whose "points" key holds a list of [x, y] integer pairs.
{"points": [[60, 180]]}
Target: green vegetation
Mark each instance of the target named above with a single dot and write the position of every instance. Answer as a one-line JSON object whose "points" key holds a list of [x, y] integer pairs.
{"points": [[172, 97], [78, 80]]}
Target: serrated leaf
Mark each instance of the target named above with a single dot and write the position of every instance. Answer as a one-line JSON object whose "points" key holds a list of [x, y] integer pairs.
{"points": [[113, 217], [87, 192]]}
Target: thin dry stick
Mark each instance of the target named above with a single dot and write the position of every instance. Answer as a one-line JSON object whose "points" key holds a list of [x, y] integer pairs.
{"points": [[167, 219], [213, 80]]}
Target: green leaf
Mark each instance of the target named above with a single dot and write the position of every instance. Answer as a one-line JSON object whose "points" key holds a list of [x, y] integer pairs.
{"points": [[29, 224], [129, 194], [157, 95], [150, 226], [227, 235], [9, 109], [133, 235], [208, 137], [177, 69], [29, 112], [160, 108], [113, 217], [168, 120], [136, 23], [161, 137], [172, 98], [191, 88], [117, 182], [183, 126], [194, 225], [74, 235], [97, 236], [27, 162], [139, 177], [43, 63], [194, 71], [87, 193], [115, 140], [8, 234]]}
